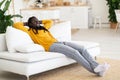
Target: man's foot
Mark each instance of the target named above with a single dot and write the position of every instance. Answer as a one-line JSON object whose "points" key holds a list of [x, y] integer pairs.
{"points": [[101, 69]]}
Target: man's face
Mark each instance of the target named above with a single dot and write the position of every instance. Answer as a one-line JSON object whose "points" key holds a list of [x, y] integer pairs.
{"points": [[34, 22]]}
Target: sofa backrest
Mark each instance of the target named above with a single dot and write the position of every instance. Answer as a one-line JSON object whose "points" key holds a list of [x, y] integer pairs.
{"points": [[61, 31], [3, 46]]}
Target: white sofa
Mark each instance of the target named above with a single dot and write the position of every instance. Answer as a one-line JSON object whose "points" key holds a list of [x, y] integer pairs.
{"points": [[37, 62]]}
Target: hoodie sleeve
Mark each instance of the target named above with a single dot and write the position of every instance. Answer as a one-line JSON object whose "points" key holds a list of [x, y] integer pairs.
{"points": [[20, 26], [47, 23]]}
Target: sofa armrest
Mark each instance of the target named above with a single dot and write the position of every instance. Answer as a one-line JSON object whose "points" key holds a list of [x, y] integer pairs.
{"points": [[3, 46], [61, 31]]}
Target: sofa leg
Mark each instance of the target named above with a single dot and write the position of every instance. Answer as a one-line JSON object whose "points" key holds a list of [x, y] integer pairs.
{"points": [[95, 57], [27, 77]]}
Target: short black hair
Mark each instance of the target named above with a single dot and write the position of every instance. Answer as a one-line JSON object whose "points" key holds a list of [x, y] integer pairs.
{"points": [[36, 28]]}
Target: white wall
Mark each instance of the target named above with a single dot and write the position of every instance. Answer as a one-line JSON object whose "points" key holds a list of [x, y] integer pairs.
{"points": [[18, 4], [99, 7]]}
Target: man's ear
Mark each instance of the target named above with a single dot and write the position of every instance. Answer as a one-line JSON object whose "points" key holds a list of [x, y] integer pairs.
{"points": [[25, 23]]}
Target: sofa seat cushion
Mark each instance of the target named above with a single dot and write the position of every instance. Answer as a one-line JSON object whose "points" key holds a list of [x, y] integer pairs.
{"points": [[92, 47], [31, 57], [86, 44]]}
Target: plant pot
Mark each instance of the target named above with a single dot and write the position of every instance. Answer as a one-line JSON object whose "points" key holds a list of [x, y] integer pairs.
{"points": [[113, 25]]}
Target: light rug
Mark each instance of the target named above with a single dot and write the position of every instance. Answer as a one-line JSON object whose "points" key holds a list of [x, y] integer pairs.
{"points": [[77, 72]]}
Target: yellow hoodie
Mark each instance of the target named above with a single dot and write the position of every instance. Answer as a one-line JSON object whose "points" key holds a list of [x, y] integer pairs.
{"points": [[43, 38]]}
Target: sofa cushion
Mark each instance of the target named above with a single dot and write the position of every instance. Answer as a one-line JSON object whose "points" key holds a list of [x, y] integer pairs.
{"points": [[87, 44], [31, 57], [29, 48], [92, 47], [15, 37], [61, 31]]}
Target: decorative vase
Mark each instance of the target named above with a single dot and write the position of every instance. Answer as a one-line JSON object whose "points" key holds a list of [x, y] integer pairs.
{"points": [[113, 25]]}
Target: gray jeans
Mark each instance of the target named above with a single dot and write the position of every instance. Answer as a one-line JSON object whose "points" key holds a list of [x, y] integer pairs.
{"points": [[76, 52]]}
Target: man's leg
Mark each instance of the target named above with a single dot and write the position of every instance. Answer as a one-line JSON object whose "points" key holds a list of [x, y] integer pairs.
{"points": [[84, 53], [72, 53]]}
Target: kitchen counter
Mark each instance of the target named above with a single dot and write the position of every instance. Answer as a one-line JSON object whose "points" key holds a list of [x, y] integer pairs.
{"points": [[44, 8], [55, 7]]}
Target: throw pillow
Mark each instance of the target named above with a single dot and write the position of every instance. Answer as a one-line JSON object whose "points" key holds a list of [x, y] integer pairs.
{"points": [[15, 37], [29, 48]]}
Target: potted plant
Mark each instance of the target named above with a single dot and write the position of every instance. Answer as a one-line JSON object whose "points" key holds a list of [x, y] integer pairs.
{"points": [[6, 19], [113, 4]]}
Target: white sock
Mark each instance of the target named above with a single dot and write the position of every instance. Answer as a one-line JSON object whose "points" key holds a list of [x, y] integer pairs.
{"points": [[101, 69], [102, 73]]}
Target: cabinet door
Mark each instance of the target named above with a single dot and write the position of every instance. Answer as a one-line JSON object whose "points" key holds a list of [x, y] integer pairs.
{"points": [[40, 14], [65, 13], [80, 17], [29, 13], [77, 15]]}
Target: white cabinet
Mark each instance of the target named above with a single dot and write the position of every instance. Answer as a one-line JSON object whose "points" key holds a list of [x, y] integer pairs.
{"points": [[78, 15], [40, 13]]}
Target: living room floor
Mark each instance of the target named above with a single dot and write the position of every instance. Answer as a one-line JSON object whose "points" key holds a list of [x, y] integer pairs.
{"points": [[108, 38], [109, 43]]}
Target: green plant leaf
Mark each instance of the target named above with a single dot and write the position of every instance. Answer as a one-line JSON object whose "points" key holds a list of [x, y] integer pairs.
{"points": [[1, 3], [7, 4], [10, 23], [113, 4], [2, 27], [17, 15], [7, 17], [113, 0], [1, 12]]}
